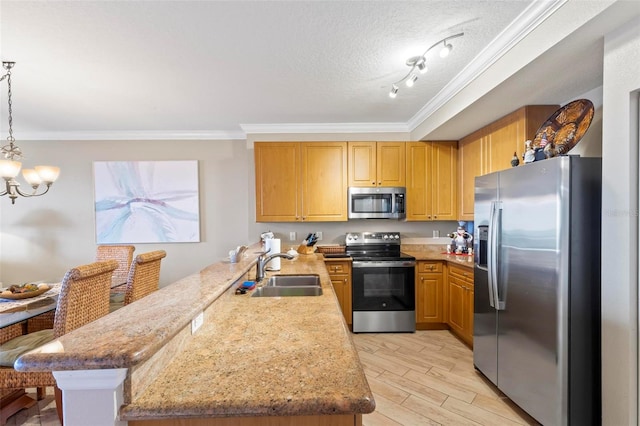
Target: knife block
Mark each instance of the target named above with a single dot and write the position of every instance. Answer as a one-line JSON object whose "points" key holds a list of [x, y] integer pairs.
{"points": [[303, 249]]}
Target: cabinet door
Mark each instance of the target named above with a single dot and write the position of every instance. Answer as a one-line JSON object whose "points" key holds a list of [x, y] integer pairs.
{"points": [[342, 287], [418, 188], [432, 180], [391, 163], [456, 305], [277, 181], [468, 311], [444, 177], [503, 140], [429, 299], [471, 164], [324, 181], [362, 164]]}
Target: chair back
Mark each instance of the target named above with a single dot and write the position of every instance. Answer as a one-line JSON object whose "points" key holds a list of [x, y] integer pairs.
{"points": [[144, 275], [123, 254], [84, 296]]}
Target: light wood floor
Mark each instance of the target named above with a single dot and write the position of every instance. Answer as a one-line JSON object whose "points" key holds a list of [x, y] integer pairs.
{"points": [[422, 378], [428, 378]]}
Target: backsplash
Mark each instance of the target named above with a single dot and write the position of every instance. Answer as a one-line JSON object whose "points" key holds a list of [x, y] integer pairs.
{"points": [[334, 232]]}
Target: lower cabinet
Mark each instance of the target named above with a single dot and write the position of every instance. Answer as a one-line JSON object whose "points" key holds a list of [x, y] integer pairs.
{"points": [[340, 274], [429, 293], [460, 302]]}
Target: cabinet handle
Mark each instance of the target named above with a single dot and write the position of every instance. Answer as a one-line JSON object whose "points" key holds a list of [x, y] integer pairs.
{"points": [[345, 280], [435, 217], [428, 216], [373, 183], [379, 183]]}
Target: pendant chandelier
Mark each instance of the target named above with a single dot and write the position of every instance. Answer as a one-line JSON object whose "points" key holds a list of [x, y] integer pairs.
{"points": [[10, 156]]}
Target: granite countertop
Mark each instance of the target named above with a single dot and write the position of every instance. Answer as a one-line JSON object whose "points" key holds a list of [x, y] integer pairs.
{"points": [[436, 252], [253, 356]]}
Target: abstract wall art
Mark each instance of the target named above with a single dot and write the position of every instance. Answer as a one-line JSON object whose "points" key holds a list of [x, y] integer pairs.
{"points": [[146, 201]]}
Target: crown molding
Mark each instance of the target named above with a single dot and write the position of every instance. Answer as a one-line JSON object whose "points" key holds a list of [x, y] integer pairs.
{"points": [[325, 128], [104, 135], [519, 28]]}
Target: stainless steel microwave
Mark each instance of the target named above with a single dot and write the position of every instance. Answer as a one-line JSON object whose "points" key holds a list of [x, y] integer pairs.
{"points": [[377, 203]]}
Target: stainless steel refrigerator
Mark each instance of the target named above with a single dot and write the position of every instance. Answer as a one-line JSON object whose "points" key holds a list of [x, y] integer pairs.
{"points": [[537, 287]]}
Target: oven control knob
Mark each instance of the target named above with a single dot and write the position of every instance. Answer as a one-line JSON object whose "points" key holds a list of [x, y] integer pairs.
{"points": [[397, 237], [385, 236]]}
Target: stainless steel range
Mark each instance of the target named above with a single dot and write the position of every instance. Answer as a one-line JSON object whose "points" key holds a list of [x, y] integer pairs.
{"points": [[383, 285]]}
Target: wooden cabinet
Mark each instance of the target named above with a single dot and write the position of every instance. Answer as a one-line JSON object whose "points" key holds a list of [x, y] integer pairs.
{"points": [[340, 274], [377, 164], [460, 302], [301, 181], [429, 292], [491, 149], [432, 190]]}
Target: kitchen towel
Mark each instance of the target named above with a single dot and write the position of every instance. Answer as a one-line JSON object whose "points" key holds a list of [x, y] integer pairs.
{"points": [[272, 246]]}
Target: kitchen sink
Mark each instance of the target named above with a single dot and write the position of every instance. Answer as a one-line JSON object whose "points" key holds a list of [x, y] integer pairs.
{"points": [[293, 281], [288, 291]]}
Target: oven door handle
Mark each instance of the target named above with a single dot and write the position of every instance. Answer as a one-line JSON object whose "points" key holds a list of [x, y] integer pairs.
{"points": [[384, 264]]}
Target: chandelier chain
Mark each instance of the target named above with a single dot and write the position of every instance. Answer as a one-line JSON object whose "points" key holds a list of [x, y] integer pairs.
{"points": [[10, 137]]}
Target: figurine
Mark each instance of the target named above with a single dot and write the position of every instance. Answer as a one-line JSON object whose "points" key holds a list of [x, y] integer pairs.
{"points": [[514, 160], [544, 140], [529, 153], [461, 240]]}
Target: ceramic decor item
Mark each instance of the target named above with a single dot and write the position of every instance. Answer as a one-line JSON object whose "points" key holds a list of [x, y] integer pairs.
{"points": [[515, 161], [564, 128]]}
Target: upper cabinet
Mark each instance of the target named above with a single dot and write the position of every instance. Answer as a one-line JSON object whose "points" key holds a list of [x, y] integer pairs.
{"points": [[432, 180], [374, 164], [491, 148], [301, 181]]}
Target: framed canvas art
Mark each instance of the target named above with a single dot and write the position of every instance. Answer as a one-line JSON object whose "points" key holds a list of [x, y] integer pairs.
{"points": [[146, 201]]}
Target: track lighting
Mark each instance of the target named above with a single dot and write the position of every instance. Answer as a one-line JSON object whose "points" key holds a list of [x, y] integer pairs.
{"points": [[420, 63]]}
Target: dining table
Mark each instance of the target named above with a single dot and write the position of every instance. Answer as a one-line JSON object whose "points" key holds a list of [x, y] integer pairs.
{"points": [[21, 316]]}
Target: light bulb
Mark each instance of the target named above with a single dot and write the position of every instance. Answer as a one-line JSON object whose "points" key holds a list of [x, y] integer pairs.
{"points": [[48, 174], [32, 177], [446, 49], [394, 91], [9, 169], [411, 80], [422, 67]]}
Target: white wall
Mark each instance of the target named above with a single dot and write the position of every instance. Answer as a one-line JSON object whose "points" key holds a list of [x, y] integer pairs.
{"points": [[42, 237], [621, 84]]}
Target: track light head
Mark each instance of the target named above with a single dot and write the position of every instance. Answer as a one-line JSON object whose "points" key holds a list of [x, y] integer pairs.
{"points": [[411, 80], [394, 91], [446, 49]]}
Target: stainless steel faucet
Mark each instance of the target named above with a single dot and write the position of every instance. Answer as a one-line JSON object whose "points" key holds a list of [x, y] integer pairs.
{"points": [[263, 259]]}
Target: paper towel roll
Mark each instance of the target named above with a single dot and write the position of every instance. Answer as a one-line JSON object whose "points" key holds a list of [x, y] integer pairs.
{"points": [[272, 245]]}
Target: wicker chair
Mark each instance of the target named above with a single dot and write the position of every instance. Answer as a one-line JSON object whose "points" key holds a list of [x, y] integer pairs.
{"points": [[144, 276], [124, 255], [84, 297]]}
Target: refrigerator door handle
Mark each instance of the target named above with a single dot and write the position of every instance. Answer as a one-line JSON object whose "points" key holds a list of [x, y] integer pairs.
{"points": [[497, 232], [494, 232], [490, 254]]}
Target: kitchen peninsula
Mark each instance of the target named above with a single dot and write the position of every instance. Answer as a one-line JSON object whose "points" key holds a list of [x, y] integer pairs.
{"points": [[254, 360]]}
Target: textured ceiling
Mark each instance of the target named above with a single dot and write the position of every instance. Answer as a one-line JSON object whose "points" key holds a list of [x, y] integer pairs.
{"points": [[220, 69], [212, 66]]}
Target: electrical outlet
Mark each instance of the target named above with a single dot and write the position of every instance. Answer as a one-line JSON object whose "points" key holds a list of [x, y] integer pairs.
{"points": [[197, 322], [319, 235], [292, 236]]}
